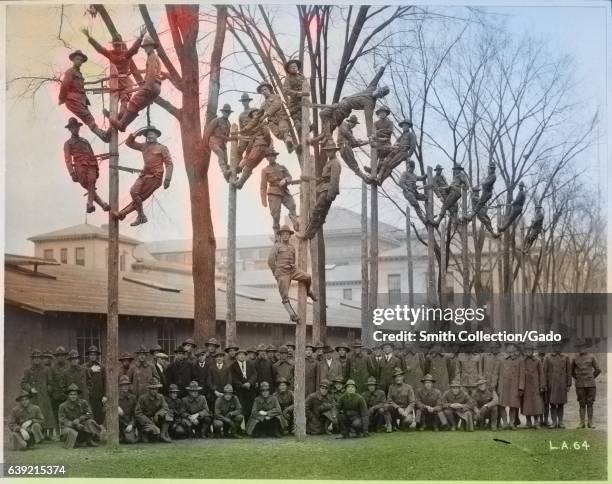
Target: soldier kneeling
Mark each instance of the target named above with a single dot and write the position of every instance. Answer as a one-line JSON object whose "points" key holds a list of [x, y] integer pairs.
{"points": [[375, 399], [76, 420], [196, 411], [228, 414], [285, 400], [25, 423], [429, 405], [127, 404], [152, 413], [401, 401], [321, 411], [266, 417], [352, 412], [457, 406], [485, 400], [177, 426]]}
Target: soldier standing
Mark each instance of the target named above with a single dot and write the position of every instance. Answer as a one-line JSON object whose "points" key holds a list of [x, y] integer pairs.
{"points": [[125, 365], [141, 372], [485, 404], [212, 345], [437, 365], [508, 386], [76, 420], [82, 165], [429, 405], [584, 370], [155, 156], [401, 400], [283, 368], [328, 188], [347, 142], [414, 365], [469, 370], [345, 363], [358, 366], [58, 381], [531, 387], [25, 423], [152, 413], [376, 401], [189, 345], [179, 371], [558, 376], [199, 370], [457, 406], [310, 384], [228, 415], [96, 383], [72, 94], [402, 150], [77, 374], [275, 179], [328, 368], [266, 416], [352, 412], [159, 365], [216, 135], [263, 365], [127, 405], [36, 382]]}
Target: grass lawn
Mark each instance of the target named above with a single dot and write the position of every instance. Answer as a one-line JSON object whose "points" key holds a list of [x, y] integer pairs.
{"points": [[399, 456]]}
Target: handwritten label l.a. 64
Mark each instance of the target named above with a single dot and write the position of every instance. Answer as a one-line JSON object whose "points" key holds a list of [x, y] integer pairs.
{"points": [[565, 445]]}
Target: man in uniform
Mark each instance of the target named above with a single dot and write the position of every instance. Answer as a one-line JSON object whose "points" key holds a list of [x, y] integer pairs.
{"points": [[127, 404], [218, 377], [275, 179], [76, 420], [402, 150], [141, 372], [196, 411], [516, 208], [266, 416], [274, 113], [535, 229], [413, 364], [155, 156], [159, 365], [179, 371], [383, 130], [329, 367], [189, 345], [244, 379], [320, 411], [358, 366], [328, 188], [58, 382], [212, 345], [228, 415], [72, 94], [152, 413], [347, 142], [584, 370], [508, 386], [345, 363], [243, 121], [178, 425], [388, 363], [487, 190], [441, 189], [429, 405], [457, 406], [401, 400], [96, 383], [25, 423], [532, 386], [216, 136], [125, 365], [77, 374], [293, 86], [310, 384], [408, 184], [263, 365], [283, 368], [352, 412], [36, 382], [460, 182], [285, 400], [558, 376], [145, 94], [469, 369], [481, 214], [282, 264], [121, 57], [82, 165], [485, 404], [376, 399], [258, 146]]}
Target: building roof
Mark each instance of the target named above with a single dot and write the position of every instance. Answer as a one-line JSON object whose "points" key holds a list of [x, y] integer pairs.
{"points": [[343, 220], [185, 245], [148, 294], [80, 232]]}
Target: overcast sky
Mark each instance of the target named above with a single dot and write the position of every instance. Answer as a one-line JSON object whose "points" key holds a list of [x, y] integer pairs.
{"points": [[41, 197]]}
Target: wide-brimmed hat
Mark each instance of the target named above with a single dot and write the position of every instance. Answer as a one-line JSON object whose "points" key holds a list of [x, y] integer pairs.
{"points": [[383, 109], [406, 122], [338, 379], [310, 345], [72, 122], [262, 85], [328, 349], [173, 387], [93, 349], [343, 345], [371, 380], [77, 53], [272, 152], [457, 167], [428, 377], [146, 129], [60, 350], [324, 383], [283, 349], [228, 388], [23, 394], [261, 347], [142, 349], [154, 383], [214, 342], [47, 354], [226, 109], [264, 385], [179, 349], [350, 382], [200, 351], [285, 228], [270, 347], [148, 40], [124, 380], [193, 387], [241, 350], [189, 341], [438, 167], [155, 348], [73, 355], [481, 381], [289, 344], [455, 383], [356, 344], [398, 372], [231, 346], [245, 97], [73, 388], [292, 61], [35, 354], [219, 353], [251, 350], [281, 380], [125, 356], [319, 345], [352, 119]]}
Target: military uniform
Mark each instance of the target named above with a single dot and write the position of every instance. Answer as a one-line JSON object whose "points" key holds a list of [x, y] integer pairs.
{"points": [[198, 415], [140, 375], [37, 382], [413, 366], [311, 376], [78, 375], [76, 422], [558, 377], [283, 369], [485, 406], [127, 419], [265, 372], [516, 208], [352, 413], [383, 130], [58, 384], [152, 414], [584, 370], [150, 89], [346, 142], [378, 415], [402, 150], [272, 423], [228, 415], [359, 370], [177, 422], [285, 400], [277, 194], [469, 370], [328, 369], [388, 364], [217, 133], [320, 413], [400, 406], [25, 424], [292, 88], [458, 407], [282, 264], [180, 372], [437, 365], [460, 182], [532, 385], [243, 121], [429, 406], [278, 121], [96, 385]]}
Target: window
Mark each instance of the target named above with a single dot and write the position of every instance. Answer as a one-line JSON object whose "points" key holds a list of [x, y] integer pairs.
{"points": [[87, 334], [347, 294], [166, 337], [64, 256], [48, 254], [79, 256], [394, 288]]}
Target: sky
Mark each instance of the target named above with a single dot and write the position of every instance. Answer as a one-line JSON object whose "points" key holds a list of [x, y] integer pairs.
{"points": [[41, 197]]}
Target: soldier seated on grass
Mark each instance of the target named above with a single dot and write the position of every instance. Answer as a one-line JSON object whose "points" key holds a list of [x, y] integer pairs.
{"points": [[228, 414], [378, 416], [25, 423], [177, 424], [458, 405], [76, 420], [401, 400]]}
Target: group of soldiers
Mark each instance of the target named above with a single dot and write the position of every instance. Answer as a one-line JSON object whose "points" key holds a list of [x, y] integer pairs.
{"points": [[349, 390]]}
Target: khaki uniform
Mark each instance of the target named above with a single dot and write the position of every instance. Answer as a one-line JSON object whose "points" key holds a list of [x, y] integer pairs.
{"points": [[328, 189], [402, 150], [150, 413], [76, 422], [278, 121], [148, 92], [320, 413], [532, 384], [78, 376], [140, 374], [277, 195], [272, 423], [463, 410], [217, 133], [408, 184], [400, 404], [33, 430], [429, 398], [469, 370], [57, 386], [72, 94], [485, 406], [127, 404], [378, 415], [383, 130], [584, 370], [228, 415], [292, 88], [197, 406], [352, 414], [243, 122], [558, 376], [39, 378], [346, 142], [283, 369], [82, 164], [282, 264]]}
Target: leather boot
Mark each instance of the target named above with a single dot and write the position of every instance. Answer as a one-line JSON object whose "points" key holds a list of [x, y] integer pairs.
{"points": [[163, 436], [582, 412], [103, 205], [104, 135], [560, 424], [292, 314], [590, 416]]}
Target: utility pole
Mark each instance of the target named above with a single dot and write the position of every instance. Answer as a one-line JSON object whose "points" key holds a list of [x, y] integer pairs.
{"points": [[365, 283], [443, 262], [409, 257], [432, 298], [500, 275], [373, 276], [112, 319], [230, 283], [300, 326], [465, 258]]}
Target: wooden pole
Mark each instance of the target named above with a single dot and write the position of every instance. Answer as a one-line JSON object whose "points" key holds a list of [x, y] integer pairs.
{"points": [[300, 327], [365, 283], [373, 280], [465, 257], [230, 283], [492, 305], [409, 257], [432, 298], [500, 274], [112, 319], [443, 262], [522, 259]]}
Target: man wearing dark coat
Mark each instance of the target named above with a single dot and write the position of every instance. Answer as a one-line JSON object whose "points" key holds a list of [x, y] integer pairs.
{"points": [[76, 420], [516, 208], [531, 387], [179, 371], [141, 372], [329, 368], [151, 413], [458, 406], [437, 365], [244, 380], [345, 363], [485, 404], [57, 380], [127, 419], [376, 401], [282, 368], [400, 401], [196, 412], [266, 416], [352, 412], [199, 370], [228, 416], [285, 400], [36, 382], [321, 410], [413, 365], [584, 370], [429, 406], [388, 364], [311, 369], [77, 374], [358, 368], [263, 366], [96, 383], [558, 376], [218, 376], [178, 425], [508, 387]]}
